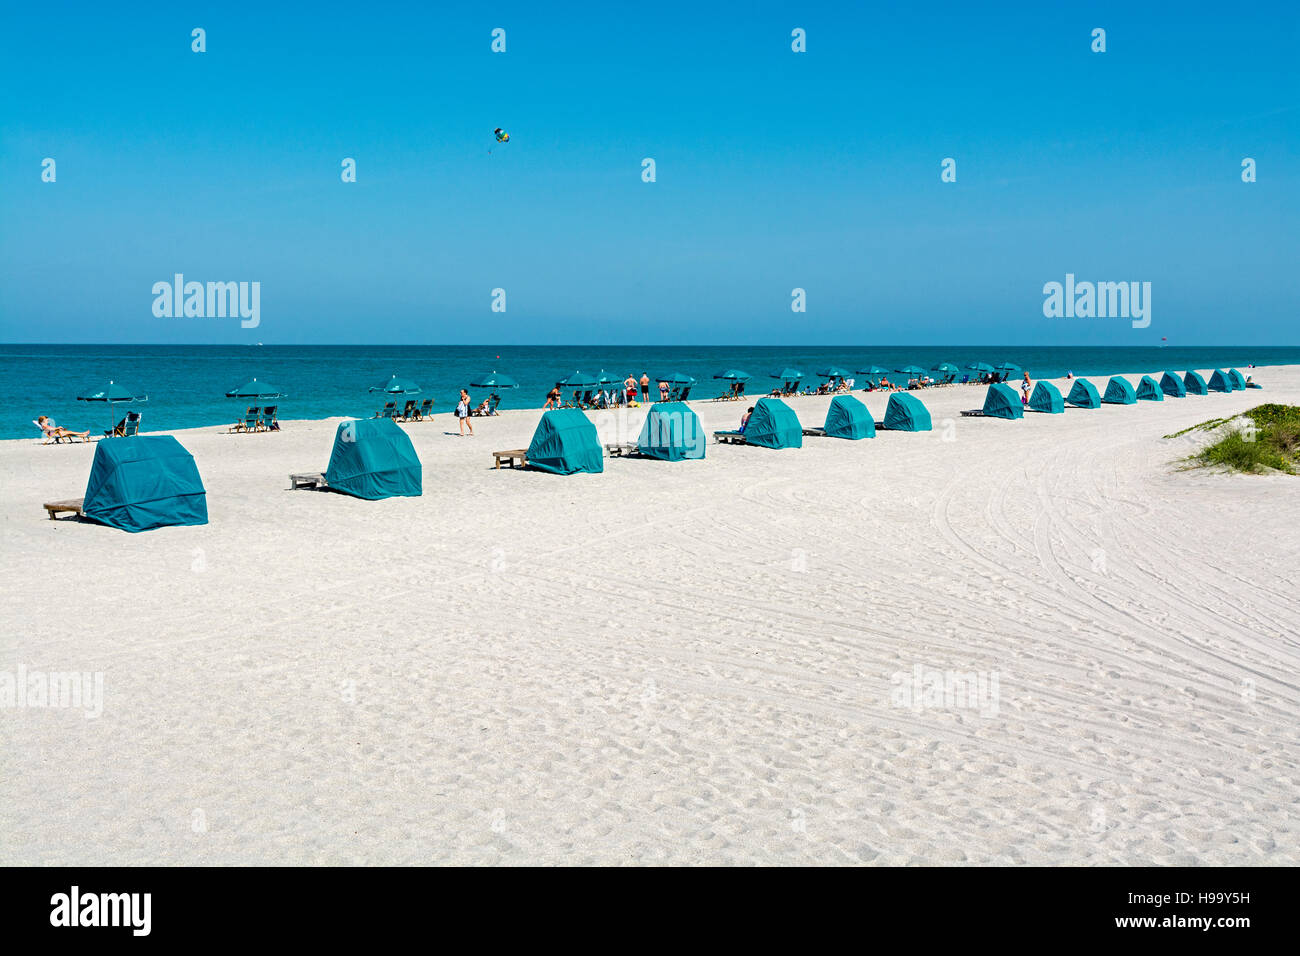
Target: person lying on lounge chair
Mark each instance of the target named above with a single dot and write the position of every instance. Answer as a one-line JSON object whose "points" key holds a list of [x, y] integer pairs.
{"points": [[56, 432], [744, 419]]}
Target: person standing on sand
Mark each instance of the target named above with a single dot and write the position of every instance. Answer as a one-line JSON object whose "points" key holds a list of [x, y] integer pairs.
{"points": [[629, 388], [1024, 389], [462, 413], [645, 388], [552, 398]]}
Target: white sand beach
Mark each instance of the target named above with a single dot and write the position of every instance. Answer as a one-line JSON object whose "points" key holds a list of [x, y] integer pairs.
{"points": [[687, 662]]}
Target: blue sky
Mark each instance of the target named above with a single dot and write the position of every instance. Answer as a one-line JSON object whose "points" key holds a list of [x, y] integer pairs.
{"points": [[775, 170]]}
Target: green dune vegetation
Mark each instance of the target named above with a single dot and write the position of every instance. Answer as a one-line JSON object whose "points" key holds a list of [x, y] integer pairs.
{"points": [[1272, 444]]}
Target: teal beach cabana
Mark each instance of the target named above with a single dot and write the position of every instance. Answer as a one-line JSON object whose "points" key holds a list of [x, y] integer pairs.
{"points": [[1083, 395], [1219, 382], [773, 424], [1119, 391], [1236, 380], [1149, 391], [1001, 401], [1195, 384], [1172, 385], [849, 418], [1046, 398], [373, 459], [905, 413], [143, 482], [671, 432], [566, 443]]}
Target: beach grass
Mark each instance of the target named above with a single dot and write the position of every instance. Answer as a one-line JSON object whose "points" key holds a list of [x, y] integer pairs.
{"points": [[1271, 442]]}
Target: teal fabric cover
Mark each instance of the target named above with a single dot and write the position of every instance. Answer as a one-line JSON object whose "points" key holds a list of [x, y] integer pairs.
{"points": [[1083, 394], [1119, 391], [1149, 391], [565, 443], [1219, 382], [774, 424], [1046, 398], [144, 482], [905, 413], [1195, 384], [1236, 380], [849, 418], [1172, 385], [1001, 401], [373, 458], [671, 432]]}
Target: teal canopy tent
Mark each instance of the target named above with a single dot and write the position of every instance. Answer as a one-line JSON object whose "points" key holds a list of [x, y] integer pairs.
{"points": [[1083, 395], [1119, 391], [396, 386], [255, 389], [905, 413], [773, 424], [1001, 401], [1047, 399], [672, 432], [1149, 391], [566, 442], [113, 394], [849, 418], [1219, 382], [373, 459], [143, 482], [493, 379], [1195, 384], [1172, 385], [1236, 380]]}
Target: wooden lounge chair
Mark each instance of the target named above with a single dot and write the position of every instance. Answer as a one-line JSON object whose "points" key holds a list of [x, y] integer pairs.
{"points": [[58, 439], [251, 422], [269, 422], [126, 427], [425, 410], [388, 411], [729, 437], [511, 456], [408, 410], [815, 432], [314, 481], [72, 505]]}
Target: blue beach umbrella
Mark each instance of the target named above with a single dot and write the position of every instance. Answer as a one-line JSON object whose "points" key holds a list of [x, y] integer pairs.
{"points": [[979, 367], [397, 386], [910, 370], [733, 375], [675, 378], [944, 367], [255, 389], [788, 375], [113, 394], [578, 380], [833, 371], [493, 379]]}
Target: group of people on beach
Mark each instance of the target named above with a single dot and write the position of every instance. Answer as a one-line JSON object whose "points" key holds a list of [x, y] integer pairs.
{"points": [[626, 395]]}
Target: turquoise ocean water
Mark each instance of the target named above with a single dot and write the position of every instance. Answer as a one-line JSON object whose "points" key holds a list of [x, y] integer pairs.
{"points": [[186, 383]]}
